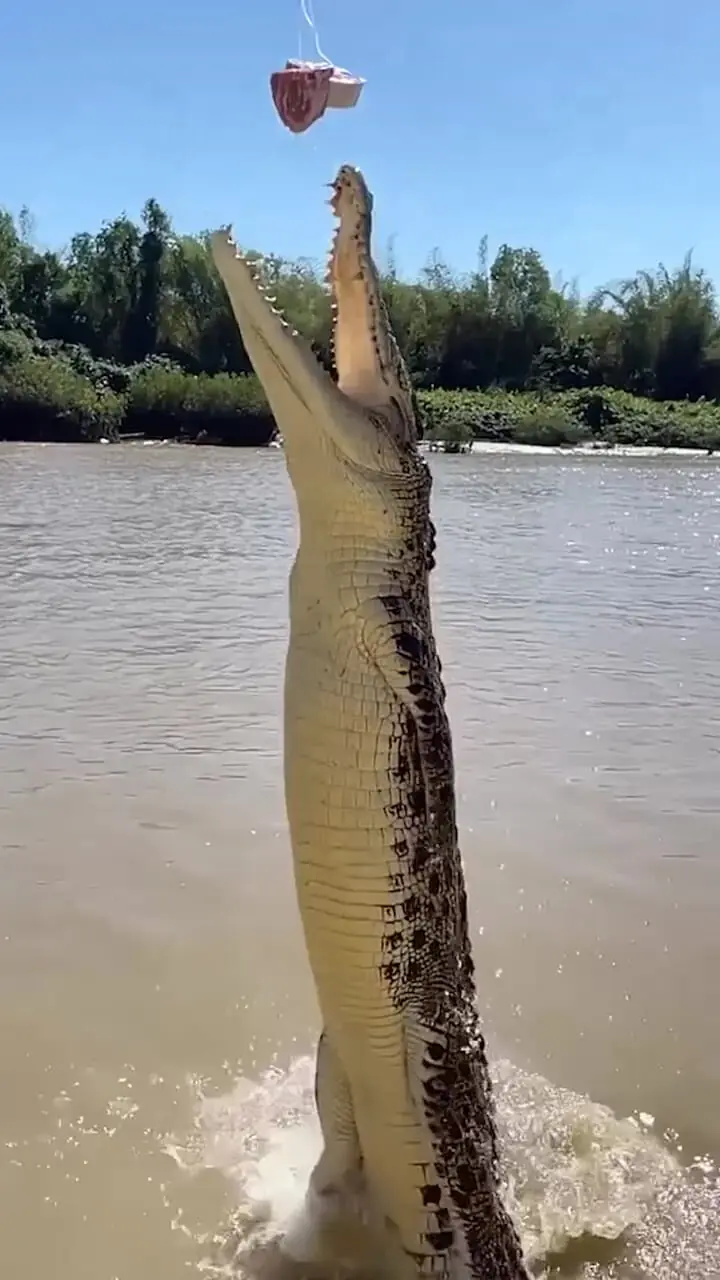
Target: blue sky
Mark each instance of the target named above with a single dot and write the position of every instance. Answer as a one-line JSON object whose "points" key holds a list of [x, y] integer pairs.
{"points": [[586, 128]]}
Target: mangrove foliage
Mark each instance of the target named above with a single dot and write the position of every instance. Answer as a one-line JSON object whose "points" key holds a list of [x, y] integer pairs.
{"points": [[128, 331]]}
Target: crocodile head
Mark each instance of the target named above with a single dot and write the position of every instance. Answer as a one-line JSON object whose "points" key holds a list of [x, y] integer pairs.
{"points": [[367, 419]]}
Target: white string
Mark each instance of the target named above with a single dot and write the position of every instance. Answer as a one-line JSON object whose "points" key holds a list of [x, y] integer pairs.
{"points": [[307, 12]]}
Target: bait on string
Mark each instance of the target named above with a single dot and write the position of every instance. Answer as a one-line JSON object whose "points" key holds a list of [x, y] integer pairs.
{"points": [[303, 91]]}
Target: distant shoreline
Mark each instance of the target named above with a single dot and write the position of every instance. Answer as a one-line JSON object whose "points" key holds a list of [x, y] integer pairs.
{"points": [[47, 401], [596, 450]]}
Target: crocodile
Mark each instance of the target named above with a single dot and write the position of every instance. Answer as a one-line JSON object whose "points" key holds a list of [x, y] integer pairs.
{"points": [[403, 1091]]}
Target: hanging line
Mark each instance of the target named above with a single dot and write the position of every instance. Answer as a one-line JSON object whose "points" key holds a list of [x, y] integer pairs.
{"points": [[307, 13]]}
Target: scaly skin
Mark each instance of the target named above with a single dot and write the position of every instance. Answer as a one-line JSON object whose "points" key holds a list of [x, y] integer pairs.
{"points": [[403, 1090]]}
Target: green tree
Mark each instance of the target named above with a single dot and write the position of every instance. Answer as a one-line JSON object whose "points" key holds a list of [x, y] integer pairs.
{"points": [[135, 291]]}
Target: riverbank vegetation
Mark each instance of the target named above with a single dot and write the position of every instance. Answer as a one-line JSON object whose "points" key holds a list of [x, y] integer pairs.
{"points": [[128, 332]]}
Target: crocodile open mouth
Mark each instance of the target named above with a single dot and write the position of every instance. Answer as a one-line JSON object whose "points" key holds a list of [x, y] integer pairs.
{"points": [[361, 361], [351, 202], [366, 358], [367, 409]]}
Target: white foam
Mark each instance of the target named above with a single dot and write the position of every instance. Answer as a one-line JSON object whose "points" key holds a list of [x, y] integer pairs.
{"points": [[574, 1170]]}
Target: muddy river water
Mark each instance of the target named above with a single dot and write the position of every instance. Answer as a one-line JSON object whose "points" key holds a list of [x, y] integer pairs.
{"points": [[156, 1010]]}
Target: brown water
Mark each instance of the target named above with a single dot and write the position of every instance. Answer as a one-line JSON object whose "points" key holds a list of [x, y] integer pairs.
{"points": [[151, 963]]}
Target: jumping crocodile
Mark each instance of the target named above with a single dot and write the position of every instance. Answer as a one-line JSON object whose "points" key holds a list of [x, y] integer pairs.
{"points": [[402, 1085]]}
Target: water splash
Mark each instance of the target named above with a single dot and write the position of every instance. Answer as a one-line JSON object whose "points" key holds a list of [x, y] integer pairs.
{"points": [[595, 1195]]}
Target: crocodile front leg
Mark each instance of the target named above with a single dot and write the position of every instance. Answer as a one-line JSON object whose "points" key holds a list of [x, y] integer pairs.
{"points": [[336, 1190], [339, 1168]]}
